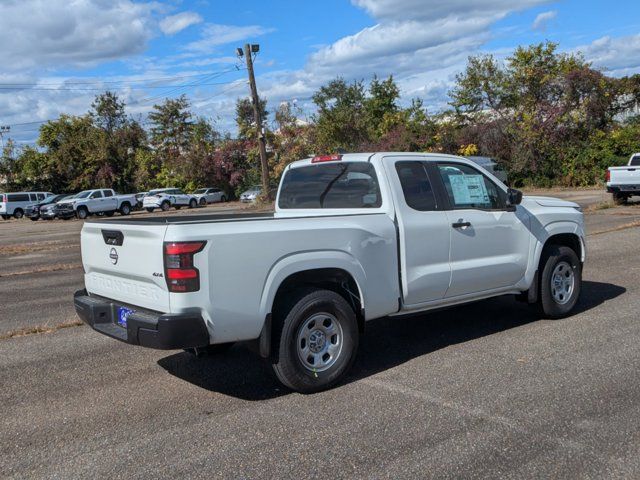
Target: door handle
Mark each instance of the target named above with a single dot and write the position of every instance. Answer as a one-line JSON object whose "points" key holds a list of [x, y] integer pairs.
{"points": [[461, 224]]}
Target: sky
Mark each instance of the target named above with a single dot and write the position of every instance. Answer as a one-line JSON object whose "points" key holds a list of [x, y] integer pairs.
{"points": [[56, 55]]}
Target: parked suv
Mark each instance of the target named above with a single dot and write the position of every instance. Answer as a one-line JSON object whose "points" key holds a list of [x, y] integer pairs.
{"points": [[165, 198], [14, 204], [33, 211], [209, 195]]}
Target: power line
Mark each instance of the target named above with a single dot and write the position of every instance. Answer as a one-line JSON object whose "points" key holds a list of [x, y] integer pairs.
{"points": [[92, 82], [93, 89]]}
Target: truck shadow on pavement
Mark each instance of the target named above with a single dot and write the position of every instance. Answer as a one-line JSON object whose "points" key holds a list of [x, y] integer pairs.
{"points": [[387, 343]]}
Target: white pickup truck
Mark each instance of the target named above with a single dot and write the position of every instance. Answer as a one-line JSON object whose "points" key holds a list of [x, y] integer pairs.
{"points": [[103, 201], [624, 182], [354, 237]]}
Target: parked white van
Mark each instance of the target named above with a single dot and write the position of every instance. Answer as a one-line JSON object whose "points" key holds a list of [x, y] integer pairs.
{"points": [[14, 204]]}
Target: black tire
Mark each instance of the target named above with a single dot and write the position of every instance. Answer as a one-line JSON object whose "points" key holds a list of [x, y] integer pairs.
{"points": [[619, 198], [125, 209], [193, 203], [203, 202], [223, 199], [165, 206], [177, 207], [109, 214], [82, 213], [291, 317], [560, 304], [34, 219], [149, 209], [5, 217], [18, 213]]}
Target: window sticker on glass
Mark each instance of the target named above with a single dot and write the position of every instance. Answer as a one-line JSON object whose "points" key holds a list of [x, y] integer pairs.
{"points": [[468, 189]]}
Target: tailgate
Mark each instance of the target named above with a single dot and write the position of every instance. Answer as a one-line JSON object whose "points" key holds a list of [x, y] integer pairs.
{"points": [[125, 263], [624, 176]]}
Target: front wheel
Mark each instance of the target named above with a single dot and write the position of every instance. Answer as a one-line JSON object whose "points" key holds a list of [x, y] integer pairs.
{"points": [[223, 199], [165, 206], [82, 213], [18, 213], [193, 203], [203, 202], [560, 282], [318, 340]]}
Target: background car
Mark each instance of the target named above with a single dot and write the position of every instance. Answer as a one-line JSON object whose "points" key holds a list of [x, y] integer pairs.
{"points": [[33, 211], [14, 204], [491, 166], [209, 195], [252, 194], [139, 197], [165, 198]]}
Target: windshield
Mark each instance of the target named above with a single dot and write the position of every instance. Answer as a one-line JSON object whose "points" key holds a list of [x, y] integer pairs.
{"points": [[201, 190], [84, 194], [51, 199]]}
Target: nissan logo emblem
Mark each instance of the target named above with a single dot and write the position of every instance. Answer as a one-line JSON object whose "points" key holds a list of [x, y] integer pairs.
{"points": [[113, 255]]}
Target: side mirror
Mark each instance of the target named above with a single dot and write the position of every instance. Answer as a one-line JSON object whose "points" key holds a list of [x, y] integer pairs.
{"points": [[514, 197]]}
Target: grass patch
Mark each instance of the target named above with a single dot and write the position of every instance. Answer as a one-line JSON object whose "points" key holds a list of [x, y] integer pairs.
{"points": [[23, 332]]}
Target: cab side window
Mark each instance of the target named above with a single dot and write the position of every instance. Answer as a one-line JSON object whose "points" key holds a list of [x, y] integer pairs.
{"points": [[468, 188], [107, 193], [416, 186], [96, 194]]}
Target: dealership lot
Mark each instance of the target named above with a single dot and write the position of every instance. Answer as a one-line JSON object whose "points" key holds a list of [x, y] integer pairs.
{"points": [[484, 390]]}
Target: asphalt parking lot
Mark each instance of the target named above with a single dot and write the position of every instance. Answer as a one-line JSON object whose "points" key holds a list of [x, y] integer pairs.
{"points": [[488, 390]]}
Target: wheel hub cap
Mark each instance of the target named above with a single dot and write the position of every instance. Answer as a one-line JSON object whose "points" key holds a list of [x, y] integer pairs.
{"points": [[562, 283], [319, 342]]}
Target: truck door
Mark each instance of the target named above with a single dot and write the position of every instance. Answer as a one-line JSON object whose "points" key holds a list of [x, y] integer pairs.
{"points": [[110, 202], [423, 229], [94, 203], [489, 242]]}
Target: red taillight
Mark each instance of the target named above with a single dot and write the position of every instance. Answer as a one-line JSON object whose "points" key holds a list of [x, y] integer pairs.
{"points": [[608, 176], [326, 158], [180, 274]]}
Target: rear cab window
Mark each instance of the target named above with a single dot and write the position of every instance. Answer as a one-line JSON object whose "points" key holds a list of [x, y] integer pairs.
{"points": [[338, 185], [635, 161]]}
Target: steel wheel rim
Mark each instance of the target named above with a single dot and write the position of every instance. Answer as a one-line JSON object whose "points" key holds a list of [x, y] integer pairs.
{"points": [[319, 342], [563, 282]]}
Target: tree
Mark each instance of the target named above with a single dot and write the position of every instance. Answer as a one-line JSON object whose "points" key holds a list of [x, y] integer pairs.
{"points": [[245, 120], [380, 107], [171, 128], [340, 121]]}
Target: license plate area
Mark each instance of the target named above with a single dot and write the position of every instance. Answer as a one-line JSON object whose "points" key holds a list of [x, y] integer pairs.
{"points": [[123, 316]]}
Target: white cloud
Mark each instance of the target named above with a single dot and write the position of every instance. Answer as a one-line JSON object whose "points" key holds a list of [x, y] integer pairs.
{"points": [[619, 56], [543, 19], [176, 23], [47, 33], [422, 43], [214, 35]]}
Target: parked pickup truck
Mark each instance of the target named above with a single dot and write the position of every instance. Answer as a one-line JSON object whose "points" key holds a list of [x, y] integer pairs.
{"points": [[89, 202], [354, 237], [624, 182]]}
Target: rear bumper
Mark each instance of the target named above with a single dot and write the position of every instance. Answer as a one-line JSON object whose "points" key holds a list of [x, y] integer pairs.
{"points": [[148, 329], [628, 189]]}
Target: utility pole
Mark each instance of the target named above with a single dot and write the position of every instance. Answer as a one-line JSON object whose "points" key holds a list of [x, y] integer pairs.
{"points": [[255, 100], [3, 129]]}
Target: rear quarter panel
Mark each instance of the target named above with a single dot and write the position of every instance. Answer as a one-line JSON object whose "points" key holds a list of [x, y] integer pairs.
{"points": [[245, 262]]}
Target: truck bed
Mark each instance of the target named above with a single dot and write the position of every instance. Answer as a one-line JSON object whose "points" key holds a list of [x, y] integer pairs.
{"points": [[180, 219]]}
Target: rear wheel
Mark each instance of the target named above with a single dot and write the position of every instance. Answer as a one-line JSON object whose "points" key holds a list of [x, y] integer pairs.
{"points": [[560, 282], [619, 198], [223, 199], [193, 203], [82, 213], [149, 209], [165, 206], [203, 202], [18, 213], [317, 342], [125, 209]]}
